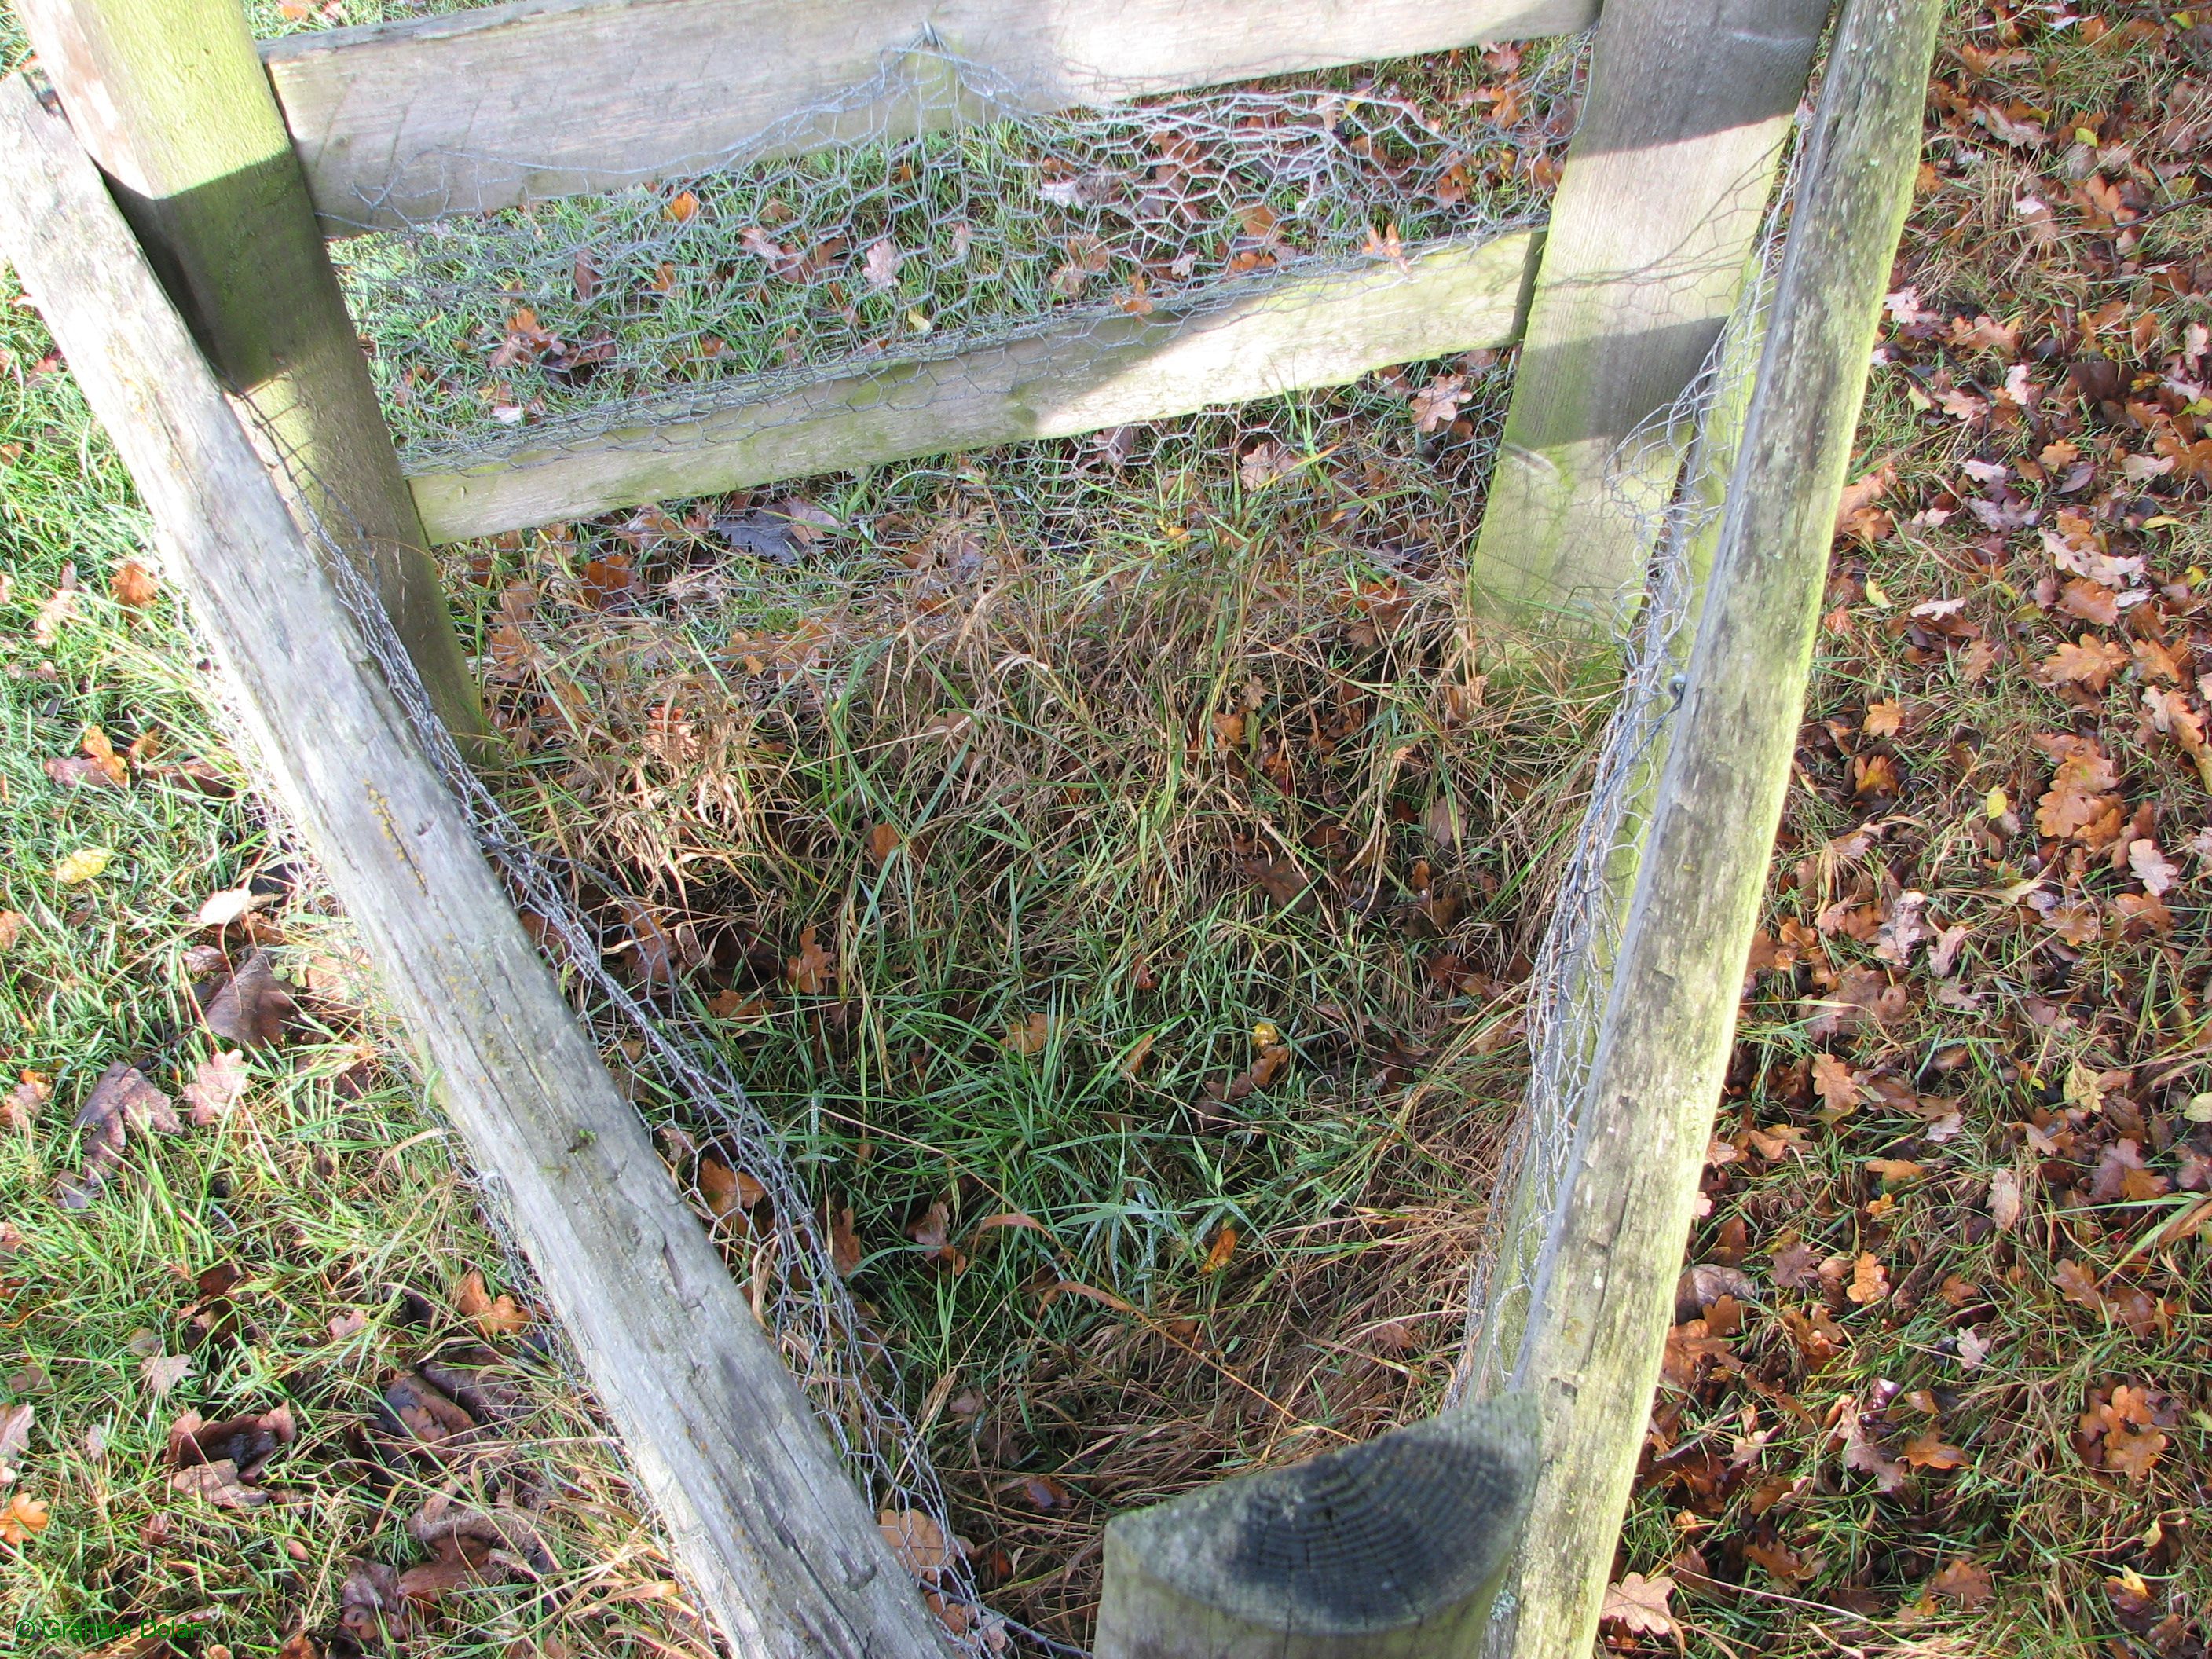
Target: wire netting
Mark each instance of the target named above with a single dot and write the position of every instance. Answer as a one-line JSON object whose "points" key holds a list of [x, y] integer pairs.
{"points": [[944, 219], [1572, 979], [918, 218]]}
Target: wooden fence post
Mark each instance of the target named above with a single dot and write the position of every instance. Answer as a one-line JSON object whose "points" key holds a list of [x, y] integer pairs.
{"points": [[787, 1561], [1665, 187], [1597, 1320], [170, 99], [1391, 1549]]}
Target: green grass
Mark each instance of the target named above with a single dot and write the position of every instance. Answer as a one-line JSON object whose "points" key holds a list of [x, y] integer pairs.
{"points": [[328, 1186], [1128, 804]]}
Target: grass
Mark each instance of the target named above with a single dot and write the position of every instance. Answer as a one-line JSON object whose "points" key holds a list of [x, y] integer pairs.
{"points": [[326, 1193], [1081, 846], [1099, 781]]}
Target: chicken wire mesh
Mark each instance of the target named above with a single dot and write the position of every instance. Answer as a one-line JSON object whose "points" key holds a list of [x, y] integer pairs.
{"points": [[786, 266], [919, 217], [1571, 980]]}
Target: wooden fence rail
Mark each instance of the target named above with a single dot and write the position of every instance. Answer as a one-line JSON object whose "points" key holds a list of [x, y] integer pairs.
{"points": [[763, 1519], [1078, 376], [397, 122], [1597, 1320], [1665, 191]]}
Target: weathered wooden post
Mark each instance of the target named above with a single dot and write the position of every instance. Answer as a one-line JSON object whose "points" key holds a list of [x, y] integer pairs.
{"points": [[1391, 1549], [1665, 189], [1596, 1323], [785, 1557], [170, 99]]}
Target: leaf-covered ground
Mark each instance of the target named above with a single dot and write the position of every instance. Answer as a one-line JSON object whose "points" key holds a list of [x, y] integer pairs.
{"points": [[1188, 959], [1941, 1383]]}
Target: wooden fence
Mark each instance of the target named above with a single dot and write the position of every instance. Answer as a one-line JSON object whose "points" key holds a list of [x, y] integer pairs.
{"points": [[191, 262]]}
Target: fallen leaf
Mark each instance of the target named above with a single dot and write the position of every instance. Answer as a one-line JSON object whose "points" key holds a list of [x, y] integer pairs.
{"points": [[2004, 1200], [1863, 492], [21, 1109], [2151, 866], [1795, 1265], [1926, 1450], [845, 1252], [1032, 1035], [2089, 662], [1883, 719], [75, 869], [1863, 1455], [1047, 1493], [1779, 1560], [23, 1519], [253, 1007], [1836, 1084], [922, 1546], [455, 1563], [1637, 1606], [883, 841], [371, 1609], [15, 1431], [163, 1371], [218, 1483], [880, 265], [217, 1082], [1218, 1253], [728, 1192], [2078, 1285], [1967, 1583], [809, 971], [247, 1441], [133, 586], [1869, 1279], [494, 1317], [220, 909], [121, 1100], [2134, 1455], [2091, 601]]}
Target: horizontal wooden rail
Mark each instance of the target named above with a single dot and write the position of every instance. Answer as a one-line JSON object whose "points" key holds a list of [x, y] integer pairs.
{"points": [[402, 122], [786, 1558], [1309, 331], [1089, 375]]}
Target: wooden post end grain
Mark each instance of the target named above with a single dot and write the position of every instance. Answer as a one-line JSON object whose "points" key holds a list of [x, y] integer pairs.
{"points": [[1391, 1549]]}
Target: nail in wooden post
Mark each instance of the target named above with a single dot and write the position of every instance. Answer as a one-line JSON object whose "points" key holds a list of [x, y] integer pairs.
{"points": [[1391, 1549], [170, 98]]}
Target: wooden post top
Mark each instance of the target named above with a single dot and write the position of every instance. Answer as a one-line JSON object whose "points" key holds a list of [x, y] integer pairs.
{"points": [[1393, 1546]]}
